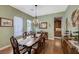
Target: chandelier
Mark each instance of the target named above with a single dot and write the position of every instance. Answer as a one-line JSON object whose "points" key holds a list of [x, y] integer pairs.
{"points": [[35, 21]]}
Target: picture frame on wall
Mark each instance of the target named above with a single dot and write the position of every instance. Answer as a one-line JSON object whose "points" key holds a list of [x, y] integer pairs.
{"points": [[5, 22], [43, 25], [75, 17]]}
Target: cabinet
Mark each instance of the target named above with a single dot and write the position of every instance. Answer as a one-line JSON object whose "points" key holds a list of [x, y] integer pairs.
{"points": [[68, 48]]}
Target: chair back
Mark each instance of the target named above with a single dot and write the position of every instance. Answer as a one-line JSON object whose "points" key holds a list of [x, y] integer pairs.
{"points": [[32, 34], [24, 34], [15, 45]]}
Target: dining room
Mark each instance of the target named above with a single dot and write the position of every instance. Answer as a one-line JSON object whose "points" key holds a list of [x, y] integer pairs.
{"points": [[21, 32], [39, 29]]}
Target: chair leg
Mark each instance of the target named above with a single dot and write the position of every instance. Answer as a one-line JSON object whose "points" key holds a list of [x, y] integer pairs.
{"points": [[29, 51]]}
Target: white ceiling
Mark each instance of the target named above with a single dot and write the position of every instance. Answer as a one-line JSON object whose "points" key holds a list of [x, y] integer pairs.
{"points": [[41, 9]]}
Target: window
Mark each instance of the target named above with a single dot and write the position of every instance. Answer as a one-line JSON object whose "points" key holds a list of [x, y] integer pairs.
{"points": [[18, 26], [29, 25]]}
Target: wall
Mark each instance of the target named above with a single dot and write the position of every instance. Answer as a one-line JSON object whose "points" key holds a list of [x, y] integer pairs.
{"points": [[50, 23], [6, 32], [50, 20], [68, 14]]}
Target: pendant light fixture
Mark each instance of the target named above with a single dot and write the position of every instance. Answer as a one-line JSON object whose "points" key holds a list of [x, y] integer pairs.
{"points": [[35, 21]]}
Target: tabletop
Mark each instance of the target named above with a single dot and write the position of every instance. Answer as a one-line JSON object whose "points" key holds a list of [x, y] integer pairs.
{"points": [[29, 41]]}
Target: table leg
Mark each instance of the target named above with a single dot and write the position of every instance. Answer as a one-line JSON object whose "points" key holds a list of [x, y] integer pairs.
{"points": [[29, 51]]}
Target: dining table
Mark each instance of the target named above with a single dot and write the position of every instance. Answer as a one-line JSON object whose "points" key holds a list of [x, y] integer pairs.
{"points": [[29, 41]]}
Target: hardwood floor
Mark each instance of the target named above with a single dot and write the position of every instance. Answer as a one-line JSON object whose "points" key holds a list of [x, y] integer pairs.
{"points": [[6, 51], [51, 47]]}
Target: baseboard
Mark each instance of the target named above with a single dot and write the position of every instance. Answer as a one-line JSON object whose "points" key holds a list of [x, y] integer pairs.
{"points": [[5, 47]]}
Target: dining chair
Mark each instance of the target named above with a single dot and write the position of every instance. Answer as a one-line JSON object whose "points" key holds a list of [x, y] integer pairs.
{"points": [[32, 34], [40, 44], [37, 47], [45, 38], [17, 49], [25, 35]]}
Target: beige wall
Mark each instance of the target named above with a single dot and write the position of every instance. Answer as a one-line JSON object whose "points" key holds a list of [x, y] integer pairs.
{"points": [[6, 32]]}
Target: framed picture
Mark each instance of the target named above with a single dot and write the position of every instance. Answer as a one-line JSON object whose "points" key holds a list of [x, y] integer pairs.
{"points": [[5, 22], [75, 17], [43, 25]]}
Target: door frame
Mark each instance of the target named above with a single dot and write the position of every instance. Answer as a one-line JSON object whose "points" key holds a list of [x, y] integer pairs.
{"points": [[60, 19]]}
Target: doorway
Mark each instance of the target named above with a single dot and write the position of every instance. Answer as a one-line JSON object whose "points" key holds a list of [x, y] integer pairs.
{"points": [[57, 27]]}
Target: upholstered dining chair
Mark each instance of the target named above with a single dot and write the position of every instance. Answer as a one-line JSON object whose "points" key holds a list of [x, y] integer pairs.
{"points": [[17, 49]]}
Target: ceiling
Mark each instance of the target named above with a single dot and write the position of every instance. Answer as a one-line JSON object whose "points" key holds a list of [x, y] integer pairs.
{"points": [[41, 9]]}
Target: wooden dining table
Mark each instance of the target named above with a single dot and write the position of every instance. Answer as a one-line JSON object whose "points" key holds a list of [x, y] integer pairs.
{"points": [[29, 42]]}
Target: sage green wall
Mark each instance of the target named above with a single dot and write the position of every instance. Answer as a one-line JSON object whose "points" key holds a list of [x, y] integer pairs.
{"points": [[50, 20], [50, 23], [6, 32], [68, 14]]}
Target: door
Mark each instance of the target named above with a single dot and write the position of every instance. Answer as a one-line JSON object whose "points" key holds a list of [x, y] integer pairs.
{"points": [[57, 26]]}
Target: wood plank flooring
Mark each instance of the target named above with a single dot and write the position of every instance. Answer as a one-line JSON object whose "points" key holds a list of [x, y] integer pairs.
{"points": [[6, 51], [51, 47]]}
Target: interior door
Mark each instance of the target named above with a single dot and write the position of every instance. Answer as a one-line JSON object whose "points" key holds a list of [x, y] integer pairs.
{"points": [[57, 26]]}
